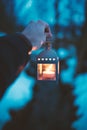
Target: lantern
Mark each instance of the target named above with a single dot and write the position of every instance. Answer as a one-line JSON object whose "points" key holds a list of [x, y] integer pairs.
{"points": [[47, 64]]}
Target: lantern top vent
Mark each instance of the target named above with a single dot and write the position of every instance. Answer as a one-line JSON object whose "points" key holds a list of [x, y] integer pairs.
{"points": [[47, 52]]}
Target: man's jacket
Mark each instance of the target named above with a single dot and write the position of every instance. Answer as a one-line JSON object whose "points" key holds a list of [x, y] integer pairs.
{"points": [[13, 57]]}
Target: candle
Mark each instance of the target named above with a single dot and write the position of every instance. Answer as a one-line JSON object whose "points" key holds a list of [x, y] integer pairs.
{"points": [[48, 74]]}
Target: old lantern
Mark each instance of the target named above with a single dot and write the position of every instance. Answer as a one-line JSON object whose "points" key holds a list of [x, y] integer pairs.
{"points": [[47, 64]]}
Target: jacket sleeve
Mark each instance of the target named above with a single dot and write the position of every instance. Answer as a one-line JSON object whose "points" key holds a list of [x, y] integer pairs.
{"points": [[13, 56]]}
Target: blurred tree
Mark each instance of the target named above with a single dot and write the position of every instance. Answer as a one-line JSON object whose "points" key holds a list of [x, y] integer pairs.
{"points": [[7, 17]]}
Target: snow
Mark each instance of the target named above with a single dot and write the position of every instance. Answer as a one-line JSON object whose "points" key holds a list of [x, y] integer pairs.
{"points": [[16, 96]]}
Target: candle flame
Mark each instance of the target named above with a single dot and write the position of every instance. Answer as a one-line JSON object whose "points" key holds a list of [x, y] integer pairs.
{"points": [[50, 67]]}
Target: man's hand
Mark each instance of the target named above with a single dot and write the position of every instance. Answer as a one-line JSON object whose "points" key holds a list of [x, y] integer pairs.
{"points": [[37, 32]]}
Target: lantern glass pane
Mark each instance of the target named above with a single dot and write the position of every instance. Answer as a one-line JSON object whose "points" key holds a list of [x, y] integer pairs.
{"points": [[46, 71]]}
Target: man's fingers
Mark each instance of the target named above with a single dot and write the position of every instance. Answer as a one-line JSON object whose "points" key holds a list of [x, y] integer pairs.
{"points": [[43, 26], [46, 28], [47, 31]]}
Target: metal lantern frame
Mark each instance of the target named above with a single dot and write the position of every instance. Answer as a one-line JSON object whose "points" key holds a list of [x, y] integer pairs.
{"points": [[48, 56]]}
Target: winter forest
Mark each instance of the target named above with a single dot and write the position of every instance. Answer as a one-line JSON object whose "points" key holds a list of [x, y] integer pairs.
{"points": [[27, 106]]}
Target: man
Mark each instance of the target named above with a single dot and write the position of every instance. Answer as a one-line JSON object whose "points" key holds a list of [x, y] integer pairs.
{"points": [[15, 50]]}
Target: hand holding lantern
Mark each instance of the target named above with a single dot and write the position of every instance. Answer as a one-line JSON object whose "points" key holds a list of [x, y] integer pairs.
{"points": [[37, 33]]}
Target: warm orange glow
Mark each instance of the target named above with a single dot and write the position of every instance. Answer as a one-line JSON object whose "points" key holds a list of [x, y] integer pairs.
{"points": [[34, 48], [46, 71], [40, 68]]}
